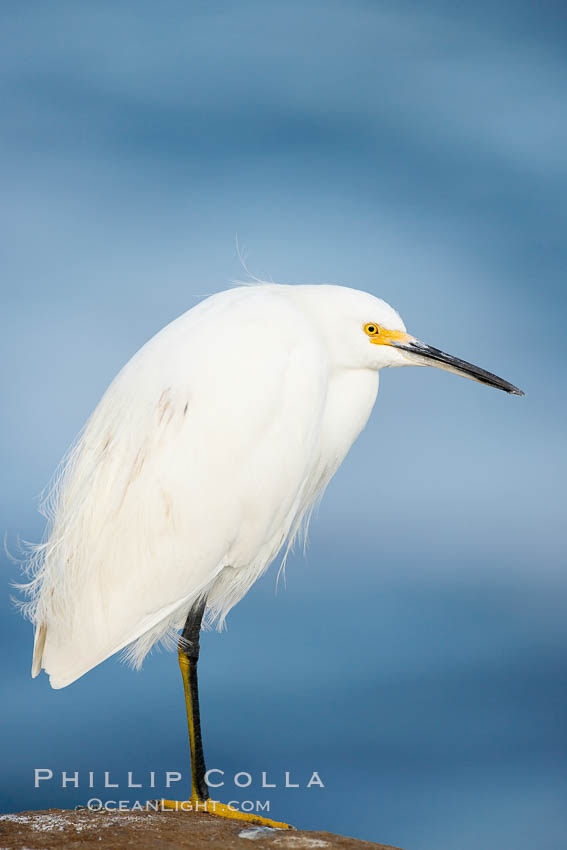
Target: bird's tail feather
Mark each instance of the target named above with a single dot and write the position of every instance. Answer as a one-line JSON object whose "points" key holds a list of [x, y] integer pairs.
{"points": [[38, 647]]}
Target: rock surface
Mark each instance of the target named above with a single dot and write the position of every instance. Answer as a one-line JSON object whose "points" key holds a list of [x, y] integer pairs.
{"points": [[82, 829]]}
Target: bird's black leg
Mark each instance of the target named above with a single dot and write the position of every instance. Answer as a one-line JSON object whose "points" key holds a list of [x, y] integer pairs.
{"points": [[188, 652]]}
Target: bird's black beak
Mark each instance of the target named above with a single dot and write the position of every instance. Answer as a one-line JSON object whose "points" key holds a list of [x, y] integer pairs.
{"points": [[426, 355]]}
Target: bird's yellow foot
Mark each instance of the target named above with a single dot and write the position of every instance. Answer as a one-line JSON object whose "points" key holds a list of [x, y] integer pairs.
{"points": [[213, 807]]}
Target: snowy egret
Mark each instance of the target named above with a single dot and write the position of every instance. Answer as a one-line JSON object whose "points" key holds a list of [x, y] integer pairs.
{"points": [[199, 464]]}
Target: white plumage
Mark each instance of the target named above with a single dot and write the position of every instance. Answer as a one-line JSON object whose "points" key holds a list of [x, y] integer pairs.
{"points": [[199, 463]]}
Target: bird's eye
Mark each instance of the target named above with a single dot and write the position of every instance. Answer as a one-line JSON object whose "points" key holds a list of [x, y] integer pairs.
{"points": [[371, 329]]}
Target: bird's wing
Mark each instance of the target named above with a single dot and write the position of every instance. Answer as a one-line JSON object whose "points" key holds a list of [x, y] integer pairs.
{"points": [[192, 462]]}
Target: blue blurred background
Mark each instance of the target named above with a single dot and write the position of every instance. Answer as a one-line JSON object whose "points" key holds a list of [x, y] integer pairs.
{"points": [[416, 658]]}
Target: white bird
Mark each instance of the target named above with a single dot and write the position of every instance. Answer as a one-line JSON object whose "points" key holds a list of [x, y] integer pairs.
{"points": [[199, 465]]}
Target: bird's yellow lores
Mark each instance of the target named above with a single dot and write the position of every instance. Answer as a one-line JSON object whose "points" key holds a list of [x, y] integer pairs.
{"points": [[263, 388]]}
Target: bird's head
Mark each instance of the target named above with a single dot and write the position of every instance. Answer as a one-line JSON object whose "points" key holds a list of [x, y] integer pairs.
{"points": [[363, 331]]}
